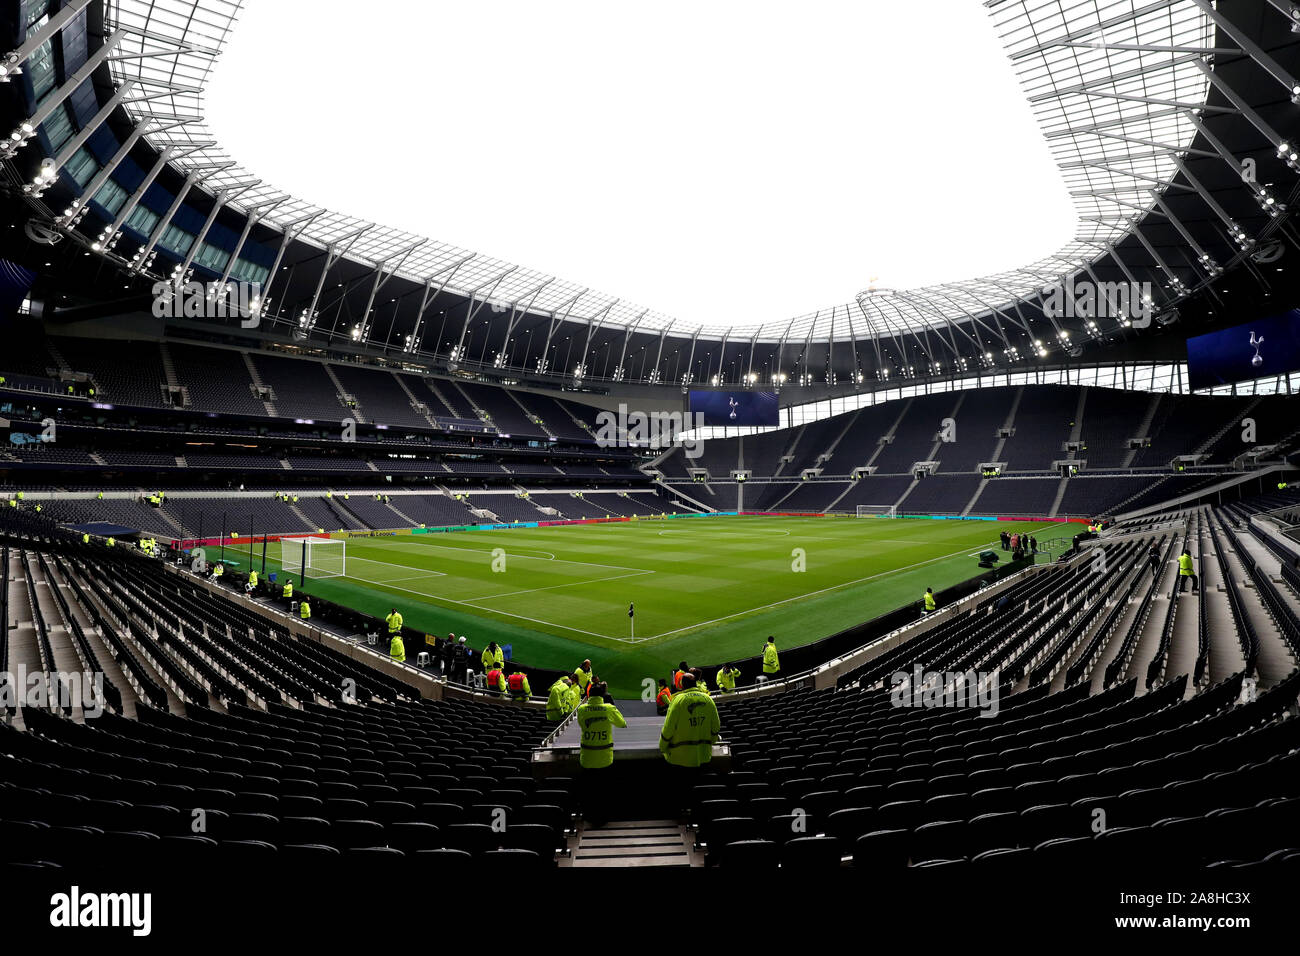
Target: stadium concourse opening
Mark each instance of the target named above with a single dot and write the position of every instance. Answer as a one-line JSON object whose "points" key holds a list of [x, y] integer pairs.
{"points": [[329, 550]]}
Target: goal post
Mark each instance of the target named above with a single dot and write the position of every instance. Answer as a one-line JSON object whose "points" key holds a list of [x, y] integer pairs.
{"points": [[877, 511], [317, 557]]}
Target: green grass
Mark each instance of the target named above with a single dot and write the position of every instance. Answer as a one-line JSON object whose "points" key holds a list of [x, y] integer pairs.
{"points": [[705, 589]]}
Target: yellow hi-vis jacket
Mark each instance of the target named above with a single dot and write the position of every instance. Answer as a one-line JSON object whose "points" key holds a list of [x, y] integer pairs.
{"points": [[557, 701], [690, 729], [929, 601], [394, 622], [771, 663], [252, 579], [304, 611], [396, 649], [726, 679], [1185, 565], [496, 680], [288, 589], [583, 678], [597, 721], [493, 659], [575, 696]]}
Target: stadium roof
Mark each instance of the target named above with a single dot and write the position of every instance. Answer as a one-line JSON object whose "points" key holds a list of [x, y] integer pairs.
{"points": [[1113, 86]]}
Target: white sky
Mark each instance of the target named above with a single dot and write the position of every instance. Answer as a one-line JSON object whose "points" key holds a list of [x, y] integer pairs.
{"points": [[715, 160]]}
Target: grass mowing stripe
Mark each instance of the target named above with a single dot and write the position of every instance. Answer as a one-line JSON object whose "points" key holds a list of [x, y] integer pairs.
{"points": [[800, 597], [709, 594]]}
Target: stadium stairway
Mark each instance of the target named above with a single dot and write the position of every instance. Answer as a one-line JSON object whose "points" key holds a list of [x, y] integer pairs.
{"points": [[419, 407], [1276, 659], [298, 513], [406, 518], [1143, 429], [632, 843], [344, 395]]}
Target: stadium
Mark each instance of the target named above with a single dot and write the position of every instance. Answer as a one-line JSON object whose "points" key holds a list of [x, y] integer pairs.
{"points": [[326, 544]]}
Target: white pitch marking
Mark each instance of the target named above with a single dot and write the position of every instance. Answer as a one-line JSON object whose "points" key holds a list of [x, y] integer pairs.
{"points": [[639, 640], [435, 597], [797, 597], [552, 587], [420, 572], [777, 532]]}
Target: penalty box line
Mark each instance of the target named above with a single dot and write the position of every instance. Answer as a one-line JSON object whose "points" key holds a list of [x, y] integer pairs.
{"points": [[420, 572], [446, 600], [480, 600]]}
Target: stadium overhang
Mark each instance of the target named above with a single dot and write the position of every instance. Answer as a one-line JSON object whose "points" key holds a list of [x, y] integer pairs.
{"points": [[1173, 123]]}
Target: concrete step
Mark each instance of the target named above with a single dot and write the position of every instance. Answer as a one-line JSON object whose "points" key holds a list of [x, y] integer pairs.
{"points": [[633, 843]]}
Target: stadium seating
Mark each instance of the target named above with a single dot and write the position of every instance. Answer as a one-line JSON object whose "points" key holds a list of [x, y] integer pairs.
{"points": [[890, 786], [126, 373], [215, 379], [380, 397], [505, 412], [391, 770], [301, 388]]}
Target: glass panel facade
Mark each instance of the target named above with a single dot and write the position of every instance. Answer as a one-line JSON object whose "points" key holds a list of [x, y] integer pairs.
{"points": [[175, 239], [246, 271], [82, 167], [111, 196], [142, 220], [58, 128], [40, 68], [212, 257]]}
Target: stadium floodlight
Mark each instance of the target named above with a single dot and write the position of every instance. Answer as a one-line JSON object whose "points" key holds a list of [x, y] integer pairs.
{"points": [[314, 556]]}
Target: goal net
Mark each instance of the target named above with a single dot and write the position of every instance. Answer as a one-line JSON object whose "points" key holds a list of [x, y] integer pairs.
{"points": [[317, 557], [877, 511]]}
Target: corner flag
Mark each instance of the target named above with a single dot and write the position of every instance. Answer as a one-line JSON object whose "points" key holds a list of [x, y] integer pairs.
{"points": [[631, 611]]}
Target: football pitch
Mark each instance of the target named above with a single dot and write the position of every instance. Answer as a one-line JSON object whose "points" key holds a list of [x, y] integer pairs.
{"points": [[705, 590]]}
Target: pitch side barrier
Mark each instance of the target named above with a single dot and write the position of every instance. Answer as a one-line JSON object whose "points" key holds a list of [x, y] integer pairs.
{"points": [[807, 659], [611, 519], [802, 662], [348, 620], [237, 540], [908, 514], [804, 659], [876, 637]]}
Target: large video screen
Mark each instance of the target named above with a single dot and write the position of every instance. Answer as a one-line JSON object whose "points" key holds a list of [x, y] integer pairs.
{"points": [[1255, 350], [756, 409]]}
